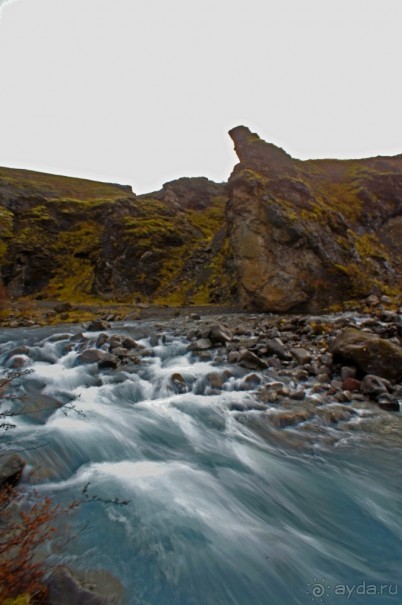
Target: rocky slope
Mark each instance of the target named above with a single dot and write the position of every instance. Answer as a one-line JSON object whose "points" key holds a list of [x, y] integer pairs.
{"points": [[281, 235]]}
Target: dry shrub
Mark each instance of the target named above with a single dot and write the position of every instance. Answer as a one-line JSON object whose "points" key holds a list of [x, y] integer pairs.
{"points": [[24, 536]]}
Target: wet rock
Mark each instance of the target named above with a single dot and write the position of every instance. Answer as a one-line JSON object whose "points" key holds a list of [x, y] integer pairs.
{"points": [[290, 417], [301, 375], [351, 384], [201, 344], [348, 372], [301, 355], [79, 337], [335, 413], [389, 404], [297, 394], [114, 342], [129, 343], [109, 361], [219, 334], [11, 467], [102, 339], [178, 382], [233, 356], [326, 360], [276, 347], [195, 316], [215, 380], [17, 351], [121, 352], [248, 359], [375, 385], [90, 356], [98, 325], [68, 587], [252, 381], [17, 362], [204, 355], [373, 355]]}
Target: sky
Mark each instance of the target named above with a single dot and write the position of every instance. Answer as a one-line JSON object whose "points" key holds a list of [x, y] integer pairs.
{"points": [[141, 92]]}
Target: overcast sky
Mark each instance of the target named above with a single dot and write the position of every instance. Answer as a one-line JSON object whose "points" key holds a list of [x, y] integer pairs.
{"points": [[144, 91]]}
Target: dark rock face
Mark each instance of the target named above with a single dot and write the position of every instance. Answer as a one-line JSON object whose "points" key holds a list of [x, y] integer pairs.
{"points": [[306, 234]]}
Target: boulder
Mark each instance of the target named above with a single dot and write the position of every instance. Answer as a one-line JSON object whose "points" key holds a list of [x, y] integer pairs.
{"points": [[11, 467], [372, 355]]}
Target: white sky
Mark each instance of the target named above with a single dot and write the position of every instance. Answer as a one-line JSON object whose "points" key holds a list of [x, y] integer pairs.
{"points": [[144, 91]]}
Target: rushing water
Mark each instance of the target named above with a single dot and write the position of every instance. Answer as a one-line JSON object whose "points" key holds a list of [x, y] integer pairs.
{"points": [[219, 513]]}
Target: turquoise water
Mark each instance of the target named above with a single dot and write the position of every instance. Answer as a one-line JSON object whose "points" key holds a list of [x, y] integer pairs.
{"points": [[223, 508]]}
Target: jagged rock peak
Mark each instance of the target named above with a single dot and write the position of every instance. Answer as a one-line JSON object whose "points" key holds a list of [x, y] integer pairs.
{"points": [[255, 152]]}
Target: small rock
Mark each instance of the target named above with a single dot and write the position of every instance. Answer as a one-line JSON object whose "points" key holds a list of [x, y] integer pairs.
{"points": [[102, 339], [301, 355], [195, 316], [63, 307], [109, 361], [129, 343], [11, 467], [375, 385], [297, 394], [351, 384], [91, 356], [348, 372], [98, 325], [372, 300], [249, 360], [202, 344], [220, 334], [276, 347]]}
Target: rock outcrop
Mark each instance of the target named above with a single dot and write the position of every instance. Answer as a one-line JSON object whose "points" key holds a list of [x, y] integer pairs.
{"points": [[307, 234], [281, 235]]}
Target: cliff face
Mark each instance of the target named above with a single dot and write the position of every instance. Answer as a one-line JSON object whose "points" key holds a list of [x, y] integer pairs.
{"points": [[283, 234], [79, 240], [307, 234]]}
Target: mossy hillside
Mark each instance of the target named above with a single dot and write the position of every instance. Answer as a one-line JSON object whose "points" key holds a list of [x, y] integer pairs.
{"points": [[22, 183], [6, 230], [186, 250]]}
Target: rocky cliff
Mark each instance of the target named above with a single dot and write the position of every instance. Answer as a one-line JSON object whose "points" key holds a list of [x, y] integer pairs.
{"points": [[281, 235], [308, 234], [78, 240]]}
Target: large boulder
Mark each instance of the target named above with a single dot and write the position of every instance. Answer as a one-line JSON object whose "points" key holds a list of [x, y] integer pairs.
{"points": [[370, 353]]}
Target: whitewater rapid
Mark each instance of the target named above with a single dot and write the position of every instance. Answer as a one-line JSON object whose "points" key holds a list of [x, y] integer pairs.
{"points": [[218, 513]]}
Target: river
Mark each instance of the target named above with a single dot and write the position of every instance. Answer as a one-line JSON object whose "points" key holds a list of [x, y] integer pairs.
{"points": [[218, 513]]}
